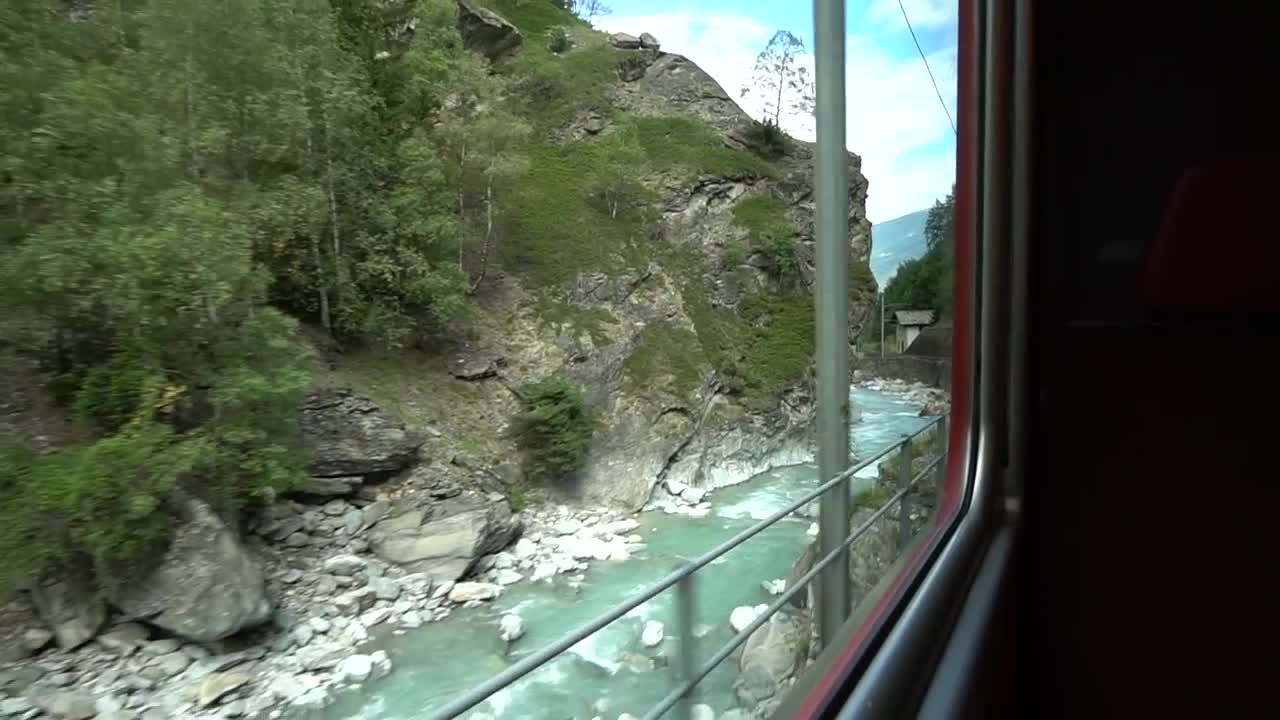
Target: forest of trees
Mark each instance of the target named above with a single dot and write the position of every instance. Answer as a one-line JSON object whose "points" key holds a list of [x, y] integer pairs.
{"points": [[180, 183], [922, 283]]}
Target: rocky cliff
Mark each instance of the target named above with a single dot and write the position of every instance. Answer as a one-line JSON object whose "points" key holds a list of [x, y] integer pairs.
{"points": [[686, 318]]}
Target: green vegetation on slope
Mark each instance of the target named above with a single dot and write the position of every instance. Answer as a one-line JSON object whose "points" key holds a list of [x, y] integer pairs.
{"points": [[757, 349], [554, 429], [556, 229], [923, 283], [174, 177], [559, 224], [184, 183], [665, 349], [582, 319], [686, 142], [534, 17]]}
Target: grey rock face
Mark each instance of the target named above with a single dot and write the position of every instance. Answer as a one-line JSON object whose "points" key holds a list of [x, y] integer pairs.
{"points": [[73, 610], [486, 32], [207, 587], [351, 436], [446, 547]]}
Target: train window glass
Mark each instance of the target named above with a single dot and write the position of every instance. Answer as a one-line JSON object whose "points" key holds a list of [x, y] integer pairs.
{"points": [[480, 334]]}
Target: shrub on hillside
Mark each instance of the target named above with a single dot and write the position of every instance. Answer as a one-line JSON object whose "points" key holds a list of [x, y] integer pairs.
{"points": [[766, 140], [102, 505], [553, 429], [558, 40]]}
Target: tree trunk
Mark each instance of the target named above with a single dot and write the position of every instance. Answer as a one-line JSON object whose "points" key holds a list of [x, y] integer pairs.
{"points": [[488, 236], [322, 287], [324, 291], [462, 207], [333, 210], [777, 108], [193, 169]]}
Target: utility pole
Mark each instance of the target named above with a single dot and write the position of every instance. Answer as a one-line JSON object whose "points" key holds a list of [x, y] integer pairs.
{"points": [[882, 298], [831, 193]]}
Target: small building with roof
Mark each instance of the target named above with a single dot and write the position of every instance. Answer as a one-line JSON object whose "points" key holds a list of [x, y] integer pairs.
{"points": [[909, 324]]}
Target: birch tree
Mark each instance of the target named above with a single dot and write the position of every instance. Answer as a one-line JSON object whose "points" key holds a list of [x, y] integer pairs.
{"points": [[779, 81], [481, 142]]}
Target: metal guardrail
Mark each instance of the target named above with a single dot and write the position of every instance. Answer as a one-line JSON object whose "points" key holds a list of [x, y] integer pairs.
{"points": [[682, 579]]}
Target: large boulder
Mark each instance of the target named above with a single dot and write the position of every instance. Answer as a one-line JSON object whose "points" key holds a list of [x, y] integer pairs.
{"points": [[770, 656], [351, 436], [623, 41], [71, 608], [448, 542], [799, 569], [207, 586], [486, 32]]}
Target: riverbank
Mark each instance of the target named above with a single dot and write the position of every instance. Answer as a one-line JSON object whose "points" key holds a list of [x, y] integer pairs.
{"points": [[347, 617]]}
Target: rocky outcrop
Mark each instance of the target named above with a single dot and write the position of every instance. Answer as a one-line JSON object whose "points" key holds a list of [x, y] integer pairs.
{"points": [[485, 32], [207, 587], [71, 608], [351, 438], [654, 335], [623, 41], [444, 541], [770, 657]]}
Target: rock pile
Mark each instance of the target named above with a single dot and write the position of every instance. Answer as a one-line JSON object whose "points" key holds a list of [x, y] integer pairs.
{"points": [[933, 401]]}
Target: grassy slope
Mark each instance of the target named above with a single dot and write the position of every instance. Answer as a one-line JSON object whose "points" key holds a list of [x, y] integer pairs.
{"points": [[559, 227]]}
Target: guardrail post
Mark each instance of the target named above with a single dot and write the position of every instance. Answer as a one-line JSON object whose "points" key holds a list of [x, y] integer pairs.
{"points": [[831, 298], [940, 471], [684, 633], [904, 505]]}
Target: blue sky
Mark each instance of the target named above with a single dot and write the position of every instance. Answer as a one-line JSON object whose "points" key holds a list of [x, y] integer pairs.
{"points": [[895, 122]]}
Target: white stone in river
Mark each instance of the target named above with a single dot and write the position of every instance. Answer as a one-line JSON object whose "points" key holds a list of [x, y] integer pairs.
{"points": [[618, 527], [381, 664], [626, 716], [507, 577], [467, 591], [525, 548], [355, 632], [742, 616], [693, 494], [675, 487], [584, 547], [356, 668], [774, 587], [504, 561], [702, 711], [619, 554], [511, 628], [544, 571], [568, 526], [813, 530], [652, 634], [375, 616], [445, 588]]}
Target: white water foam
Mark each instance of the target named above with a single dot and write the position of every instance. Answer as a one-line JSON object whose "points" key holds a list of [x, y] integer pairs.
{"points": [[595, 650]]}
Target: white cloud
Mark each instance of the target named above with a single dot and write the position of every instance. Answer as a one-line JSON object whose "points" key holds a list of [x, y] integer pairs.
{"points": [[923, 13], [893, 118]]}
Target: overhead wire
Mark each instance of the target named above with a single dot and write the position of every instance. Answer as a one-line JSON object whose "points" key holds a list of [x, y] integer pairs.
{"points": [[926, 66]]}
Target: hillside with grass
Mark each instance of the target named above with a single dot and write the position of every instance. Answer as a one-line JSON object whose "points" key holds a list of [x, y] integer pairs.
{"points": [[569, 260], [657, 253]]}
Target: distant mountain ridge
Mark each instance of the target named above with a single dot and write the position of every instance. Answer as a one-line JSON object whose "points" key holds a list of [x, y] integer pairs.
{"points": [[896, 241]]}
